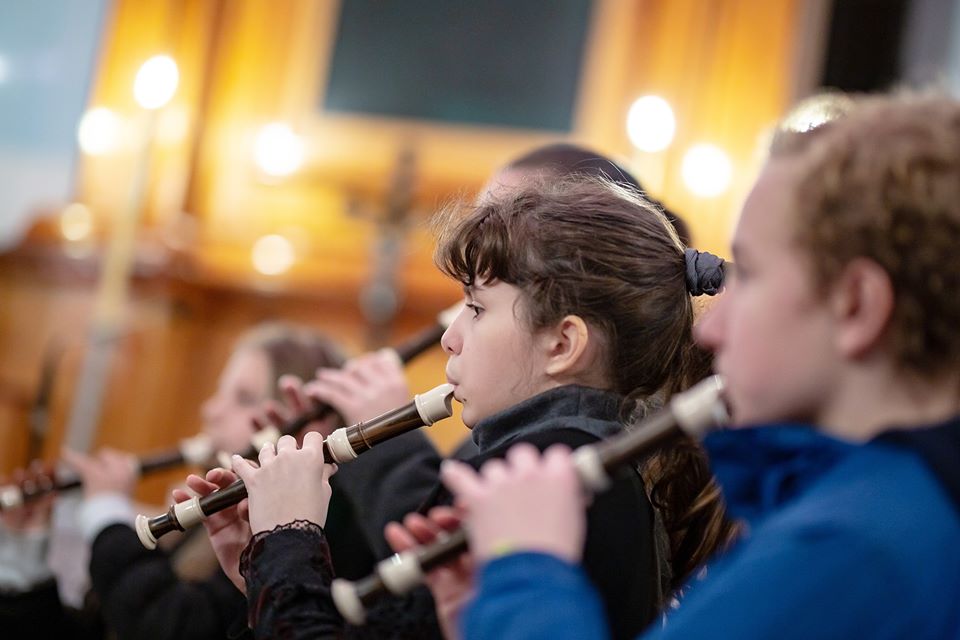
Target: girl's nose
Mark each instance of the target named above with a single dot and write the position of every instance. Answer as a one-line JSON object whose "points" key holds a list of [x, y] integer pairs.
{"points": [[451, 340]]}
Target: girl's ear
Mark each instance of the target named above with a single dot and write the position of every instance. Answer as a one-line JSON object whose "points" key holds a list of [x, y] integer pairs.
{"points": [[862, 301], [569, 348]]}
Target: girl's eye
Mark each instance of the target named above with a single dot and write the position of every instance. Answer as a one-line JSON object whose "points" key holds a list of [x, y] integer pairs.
{"points": [[473, 307]]}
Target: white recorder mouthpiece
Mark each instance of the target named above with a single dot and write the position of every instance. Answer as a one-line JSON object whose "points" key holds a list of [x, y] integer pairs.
{"points": [[700, 407], [435, 404]]}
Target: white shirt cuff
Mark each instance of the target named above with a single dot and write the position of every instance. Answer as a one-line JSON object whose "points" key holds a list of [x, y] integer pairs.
{"points": [[102, 510], [23, 559]]}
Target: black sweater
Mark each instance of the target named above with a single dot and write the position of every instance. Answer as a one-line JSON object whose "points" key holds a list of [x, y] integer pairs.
{"points": [[141, 596], [288, 571]]}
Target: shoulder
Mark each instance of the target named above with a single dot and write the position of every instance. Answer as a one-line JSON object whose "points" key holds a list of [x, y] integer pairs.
{"points": [[884, 491], [116, 534], [882, 506]]}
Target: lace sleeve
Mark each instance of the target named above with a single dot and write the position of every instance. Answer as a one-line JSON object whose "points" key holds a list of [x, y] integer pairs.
{"points": [[288, 574], [303, 531]]}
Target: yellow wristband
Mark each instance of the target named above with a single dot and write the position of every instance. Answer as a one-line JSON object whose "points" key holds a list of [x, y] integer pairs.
{"points": [[502, 548]]}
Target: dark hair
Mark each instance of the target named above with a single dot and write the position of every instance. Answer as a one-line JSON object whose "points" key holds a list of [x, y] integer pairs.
{"points": [[567, 159], [292, 350], [592, 248]]}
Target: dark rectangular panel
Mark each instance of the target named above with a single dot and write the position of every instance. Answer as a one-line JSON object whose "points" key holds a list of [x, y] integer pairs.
{"points": [[513, 63]]}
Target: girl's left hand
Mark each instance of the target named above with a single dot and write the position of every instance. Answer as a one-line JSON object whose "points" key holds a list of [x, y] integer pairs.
{"points": [[229, 530], [290, 484], [365, 387]]}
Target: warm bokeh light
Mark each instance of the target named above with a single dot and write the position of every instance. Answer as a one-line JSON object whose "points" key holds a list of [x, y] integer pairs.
{"points": [[173, 125], [99, 131], [156, 82], [76, 222], [651, 124], [278, 150], [272, 255], [706, 170]]}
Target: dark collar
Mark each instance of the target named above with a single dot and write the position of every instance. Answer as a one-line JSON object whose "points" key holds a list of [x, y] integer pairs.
{"points": [[593, 411], [938, 446], [761, 468]]}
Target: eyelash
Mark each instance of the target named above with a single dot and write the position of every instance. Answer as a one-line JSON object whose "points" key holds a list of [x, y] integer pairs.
{"points": [[475, 308]]}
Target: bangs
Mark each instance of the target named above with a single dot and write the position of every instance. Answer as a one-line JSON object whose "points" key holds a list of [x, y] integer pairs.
{"points": [[476, 243]]}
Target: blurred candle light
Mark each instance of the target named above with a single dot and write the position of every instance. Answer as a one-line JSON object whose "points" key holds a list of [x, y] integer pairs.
{"points": [[156, 82], [76, 222], [278, 150], [651, 124], [706, 170], [99, 131], [273, 255], [173, 125]]}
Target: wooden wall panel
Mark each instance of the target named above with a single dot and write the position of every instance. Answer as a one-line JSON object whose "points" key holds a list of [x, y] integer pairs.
{"points": [[725, 65]]}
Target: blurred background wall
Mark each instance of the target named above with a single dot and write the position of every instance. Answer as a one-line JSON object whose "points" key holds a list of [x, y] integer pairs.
{"points": [[293, 170]]}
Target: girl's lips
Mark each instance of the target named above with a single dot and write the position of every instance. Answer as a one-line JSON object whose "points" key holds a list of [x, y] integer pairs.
{"points": [[456, 395]]}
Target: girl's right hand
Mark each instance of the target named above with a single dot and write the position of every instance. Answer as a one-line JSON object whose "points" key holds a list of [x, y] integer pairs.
{"points": [[451, 584], [229, 530], [525, 502], [106, 471]]}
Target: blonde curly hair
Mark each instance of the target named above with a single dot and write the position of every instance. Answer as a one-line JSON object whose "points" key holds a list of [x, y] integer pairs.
{"points": [[883, 182]]}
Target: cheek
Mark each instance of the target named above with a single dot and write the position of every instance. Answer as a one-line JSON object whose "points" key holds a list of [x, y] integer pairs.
{"points": [[752, 357], [776, 363], [755, 327], [240, 422]]}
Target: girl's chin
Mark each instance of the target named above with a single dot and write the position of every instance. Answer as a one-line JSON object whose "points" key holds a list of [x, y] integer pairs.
{"points": [[468, 417]]}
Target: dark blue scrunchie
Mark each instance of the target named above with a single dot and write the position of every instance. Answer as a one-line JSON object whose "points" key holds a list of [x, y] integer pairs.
{"points": [[704, 273]]}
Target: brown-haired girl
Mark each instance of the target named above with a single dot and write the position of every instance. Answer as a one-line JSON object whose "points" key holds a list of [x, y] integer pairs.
{"points": [[577, 298]]}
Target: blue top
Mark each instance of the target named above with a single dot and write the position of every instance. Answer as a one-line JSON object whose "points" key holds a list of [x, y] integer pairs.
{"points": [[843, 541]]}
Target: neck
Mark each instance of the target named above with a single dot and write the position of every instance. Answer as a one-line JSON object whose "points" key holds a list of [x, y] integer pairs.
{"points": [[874, 399]]}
